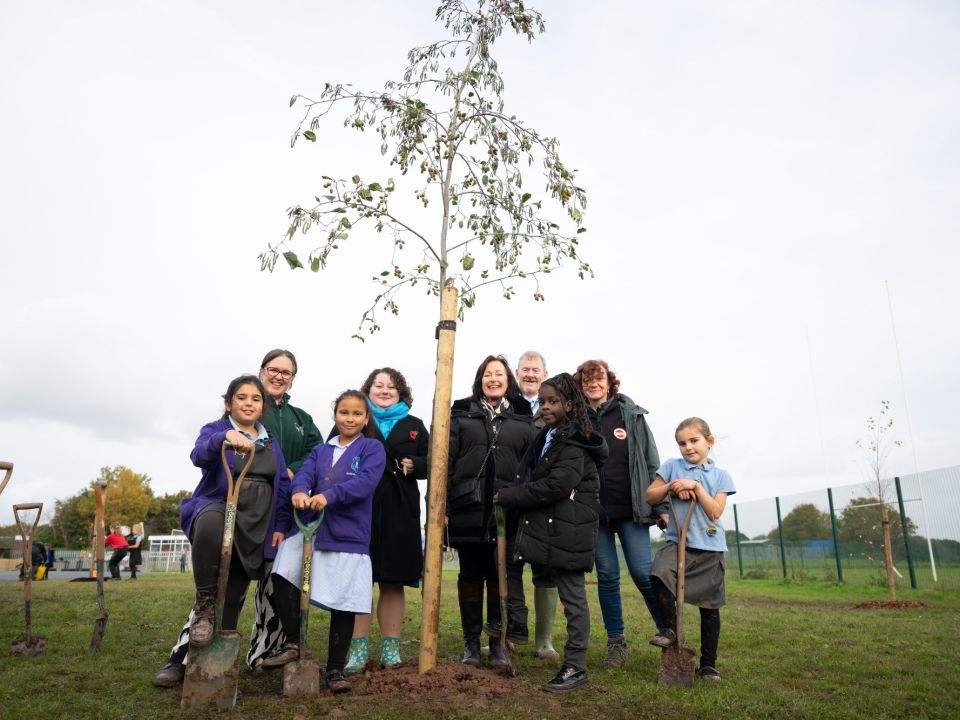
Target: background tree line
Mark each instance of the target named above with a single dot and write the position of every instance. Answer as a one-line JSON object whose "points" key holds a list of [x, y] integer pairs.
{"points": [[130, 499]]}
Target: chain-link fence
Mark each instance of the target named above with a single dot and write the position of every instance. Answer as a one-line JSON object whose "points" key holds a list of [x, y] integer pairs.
{"points": [[837, 534]]}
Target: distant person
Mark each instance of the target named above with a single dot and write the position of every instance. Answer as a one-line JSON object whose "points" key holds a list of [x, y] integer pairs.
{"points": [[183, 561], [624, 511], [531, 372], [118, 542], [50, 558], [339, 479], [693, 477], [489, 432], [136, 556], [557, 497], [395, 549]]}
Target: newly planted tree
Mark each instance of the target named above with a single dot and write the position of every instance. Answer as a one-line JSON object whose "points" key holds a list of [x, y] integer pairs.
{"points": [[476, 198], [877, 447]]}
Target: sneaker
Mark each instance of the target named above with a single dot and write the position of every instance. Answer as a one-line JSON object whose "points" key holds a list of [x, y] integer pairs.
{"points": [[337, 681], [170, 675], [616, 652], [569, 678], [288, 652], [708, 673], [390, 652], [664, 638], [204, 616], [357, 657]]}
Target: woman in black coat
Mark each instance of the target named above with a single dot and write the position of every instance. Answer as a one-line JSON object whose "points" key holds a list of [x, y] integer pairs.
{"points": [[489, 432], [396, 552]]}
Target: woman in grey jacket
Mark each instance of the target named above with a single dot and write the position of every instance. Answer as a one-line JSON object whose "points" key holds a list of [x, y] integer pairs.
{"points": [[624, 512]]}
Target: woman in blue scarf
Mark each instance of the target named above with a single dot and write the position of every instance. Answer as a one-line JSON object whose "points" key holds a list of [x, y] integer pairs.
{"points": [[396, 551]]}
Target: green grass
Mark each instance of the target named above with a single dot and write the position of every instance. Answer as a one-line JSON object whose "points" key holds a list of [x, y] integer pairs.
{"points": [[787, 649]]}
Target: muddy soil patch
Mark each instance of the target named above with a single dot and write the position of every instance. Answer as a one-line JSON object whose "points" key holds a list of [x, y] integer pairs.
{"points": [[889, 605]]}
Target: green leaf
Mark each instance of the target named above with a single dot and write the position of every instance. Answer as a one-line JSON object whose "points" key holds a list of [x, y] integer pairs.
{"points": [[310, 135], [355, 179], [374, 187], [315, 264], [293, 100], [467, 262], [292, 260], [526, 196]]}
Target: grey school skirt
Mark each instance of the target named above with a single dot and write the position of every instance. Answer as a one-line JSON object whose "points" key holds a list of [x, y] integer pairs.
{"points": [[703, 578]]}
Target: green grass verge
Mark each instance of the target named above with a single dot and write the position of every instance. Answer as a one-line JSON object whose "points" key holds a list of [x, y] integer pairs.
{"points": [[787, 650]]}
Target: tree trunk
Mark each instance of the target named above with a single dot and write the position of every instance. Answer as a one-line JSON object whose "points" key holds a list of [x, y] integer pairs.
{"points": [[888, 550], [437, 482]]}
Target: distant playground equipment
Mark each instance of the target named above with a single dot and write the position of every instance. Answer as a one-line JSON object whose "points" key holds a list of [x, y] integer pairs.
{"points": [[29, 644]]}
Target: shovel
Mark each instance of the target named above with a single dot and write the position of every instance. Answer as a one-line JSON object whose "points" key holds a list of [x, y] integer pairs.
{"points": [[29, 644], [678, 662], [302, 677], [100, 624], [212, 673], [502, 582], [8, 466]]}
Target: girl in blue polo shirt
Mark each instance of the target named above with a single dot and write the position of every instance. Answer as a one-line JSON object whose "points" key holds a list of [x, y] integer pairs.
{"points": [[339, 478], [693, 475]]}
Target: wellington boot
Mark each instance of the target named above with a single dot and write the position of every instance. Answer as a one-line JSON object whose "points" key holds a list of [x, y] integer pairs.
{"points": [[471, 652], [545, 607], [497, 658]]}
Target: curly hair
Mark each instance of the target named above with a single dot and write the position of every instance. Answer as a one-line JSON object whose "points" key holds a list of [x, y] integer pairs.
{"points": [[590, 369], [569, 391], [399, 382], [513, 387]]}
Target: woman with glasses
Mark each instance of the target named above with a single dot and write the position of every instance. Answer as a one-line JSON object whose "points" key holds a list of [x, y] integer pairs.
{"points": [[296, 434], [624, 512]]}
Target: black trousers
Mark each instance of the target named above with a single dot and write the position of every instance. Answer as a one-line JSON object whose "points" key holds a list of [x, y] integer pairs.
{"points": [[286, 600], [114, 565], [478, 564], [206, 539], [709, 622]]}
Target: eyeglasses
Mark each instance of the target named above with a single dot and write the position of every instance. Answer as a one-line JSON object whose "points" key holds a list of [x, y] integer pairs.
{"points": [[277, 372]]}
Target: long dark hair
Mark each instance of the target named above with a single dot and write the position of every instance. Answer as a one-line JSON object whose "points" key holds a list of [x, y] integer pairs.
{"points": [[235, 385], [569, 391], [513, 387]]}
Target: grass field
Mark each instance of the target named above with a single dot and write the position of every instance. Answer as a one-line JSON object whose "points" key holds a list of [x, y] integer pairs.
{"points": [[787, 650]]}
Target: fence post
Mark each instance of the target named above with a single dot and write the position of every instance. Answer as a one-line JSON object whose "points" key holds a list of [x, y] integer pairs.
{"points": [[906, 534], [836, 537], [736, 526], [783, 552]]}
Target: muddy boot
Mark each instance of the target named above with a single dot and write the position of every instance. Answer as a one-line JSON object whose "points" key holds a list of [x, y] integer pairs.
{"points": [[616, 652], [497, 658], [545, 607], [204, 615], [470, 594], [357, 657]]}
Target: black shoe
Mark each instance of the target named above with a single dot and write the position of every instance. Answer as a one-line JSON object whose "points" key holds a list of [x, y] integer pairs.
{"points": [[471, 652], [517, 634], [288, 652], [337, 681], [170, 675], [496, 658], [568, 678], [710, 674], [664, 638]]}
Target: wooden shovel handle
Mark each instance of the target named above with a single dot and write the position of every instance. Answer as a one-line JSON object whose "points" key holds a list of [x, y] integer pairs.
{"points": [[681, 562], [27, 536], [8, 467], [229, 519]]}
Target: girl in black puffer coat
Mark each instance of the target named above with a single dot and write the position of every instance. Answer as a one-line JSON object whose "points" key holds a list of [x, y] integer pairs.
{"points": [[489, 433], [557, 492]]}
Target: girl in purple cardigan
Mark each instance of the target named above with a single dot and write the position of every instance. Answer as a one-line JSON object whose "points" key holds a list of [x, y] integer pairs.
{"points": [[339, 478]]}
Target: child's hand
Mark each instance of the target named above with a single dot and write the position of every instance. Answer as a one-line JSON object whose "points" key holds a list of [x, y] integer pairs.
{"points": [[239, 441], [675, 487], [277, 539], [300, 500], [318, 502]]}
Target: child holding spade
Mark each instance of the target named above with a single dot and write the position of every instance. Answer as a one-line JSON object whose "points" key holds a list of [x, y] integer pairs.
{"points": [[338, 478], [557, 493]]}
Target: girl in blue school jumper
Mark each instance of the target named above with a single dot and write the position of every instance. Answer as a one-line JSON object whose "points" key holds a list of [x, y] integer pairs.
{"points": [[339, 478], [693, 475]]}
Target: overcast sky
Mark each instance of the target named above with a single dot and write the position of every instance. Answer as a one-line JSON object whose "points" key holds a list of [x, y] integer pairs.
{"points": [[758, 174]]}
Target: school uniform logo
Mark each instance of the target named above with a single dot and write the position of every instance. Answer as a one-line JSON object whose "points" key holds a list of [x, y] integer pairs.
{"points": [[711, 530], [620, 433], [355, 465]]}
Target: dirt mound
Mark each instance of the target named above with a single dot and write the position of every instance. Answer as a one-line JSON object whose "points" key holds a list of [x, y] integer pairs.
{"points": [[449, 679], [890, 604]]}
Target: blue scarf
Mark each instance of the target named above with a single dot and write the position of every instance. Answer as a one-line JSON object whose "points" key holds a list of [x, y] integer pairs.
{"points": [[386, 418]]}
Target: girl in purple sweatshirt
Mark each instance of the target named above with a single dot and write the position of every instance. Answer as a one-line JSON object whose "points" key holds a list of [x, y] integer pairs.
{"points": [[338, 478]]}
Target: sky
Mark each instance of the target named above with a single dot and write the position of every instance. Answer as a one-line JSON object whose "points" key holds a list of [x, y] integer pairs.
{"points": [[772, 219]]}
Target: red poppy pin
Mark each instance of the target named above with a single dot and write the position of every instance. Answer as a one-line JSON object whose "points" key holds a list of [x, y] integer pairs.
{"points": [[413, 434]]}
